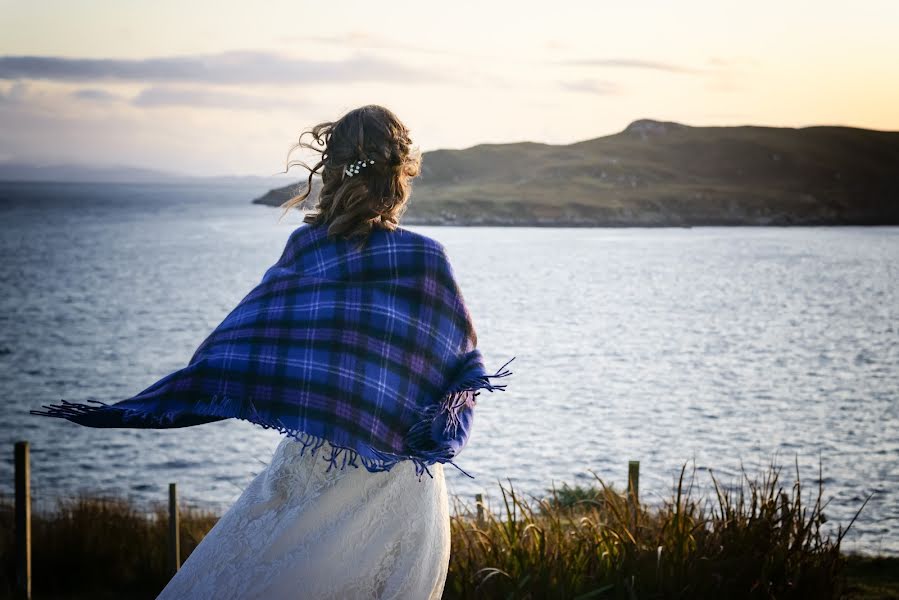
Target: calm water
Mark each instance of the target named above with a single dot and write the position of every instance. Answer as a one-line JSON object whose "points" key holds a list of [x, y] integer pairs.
{"points": [[714, 347]]}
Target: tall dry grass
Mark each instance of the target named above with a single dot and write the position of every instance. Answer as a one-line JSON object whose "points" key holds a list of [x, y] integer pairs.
{"points": [[95, 546], [756, 540]]}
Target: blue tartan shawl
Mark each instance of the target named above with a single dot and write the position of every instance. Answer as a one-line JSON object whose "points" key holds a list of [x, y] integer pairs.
{"points": [[370, 348]]}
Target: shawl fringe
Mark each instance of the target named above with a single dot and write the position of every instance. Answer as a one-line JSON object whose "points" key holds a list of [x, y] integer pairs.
{"points": [[325, 342], [460, 395]]}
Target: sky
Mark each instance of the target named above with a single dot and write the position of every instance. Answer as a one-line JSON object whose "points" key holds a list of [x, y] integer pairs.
{"points": [[214, 88]]}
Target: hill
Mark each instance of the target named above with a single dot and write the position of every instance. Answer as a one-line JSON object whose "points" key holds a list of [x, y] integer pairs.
{"points": [[21, 171], [657, 173]]}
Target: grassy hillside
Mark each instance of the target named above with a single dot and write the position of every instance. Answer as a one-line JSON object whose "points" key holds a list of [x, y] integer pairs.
{"points": [[663, 173]]}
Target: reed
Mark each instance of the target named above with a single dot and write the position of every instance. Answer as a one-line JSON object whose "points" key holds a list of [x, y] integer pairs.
{"points": [[757, 540], [90, 545]]}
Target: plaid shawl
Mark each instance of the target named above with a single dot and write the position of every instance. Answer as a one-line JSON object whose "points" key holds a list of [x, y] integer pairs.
{"points": [[368, 347]]}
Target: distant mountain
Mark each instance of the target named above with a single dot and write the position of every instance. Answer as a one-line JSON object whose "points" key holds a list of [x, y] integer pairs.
{"points": [[77, 173], [21, 171], [659, 173]]}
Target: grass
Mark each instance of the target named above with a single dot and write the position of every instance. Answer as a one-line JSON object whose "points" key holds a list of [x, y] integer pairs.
{"points": [[757, 540], [872, 578], [98, 546]]}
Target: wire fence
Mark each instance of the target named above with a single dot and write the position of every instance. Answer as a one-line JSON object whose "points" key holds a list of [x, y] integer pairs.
{"points": [[46, 503], [29, 505], [29, 502]]}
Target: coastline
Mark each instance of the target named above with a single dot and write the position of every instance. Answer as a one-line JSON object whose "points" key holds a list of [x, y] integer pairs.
{"points": [[516, 215], [645, 222]]}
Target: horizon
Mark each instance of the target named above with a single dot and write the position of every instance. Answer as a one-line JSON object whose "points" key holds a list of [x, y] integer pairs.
{"points": [[211, 92], [293, 174]]}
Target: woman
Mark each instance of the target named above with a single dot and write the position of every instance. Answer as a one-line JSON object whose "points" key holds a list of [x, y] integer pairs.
{"points": [[358, 345]]}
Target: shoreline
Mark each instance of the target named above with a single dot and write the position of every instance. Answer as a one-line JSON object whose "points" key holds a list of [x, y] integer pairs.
{"points": [[629, 220]]}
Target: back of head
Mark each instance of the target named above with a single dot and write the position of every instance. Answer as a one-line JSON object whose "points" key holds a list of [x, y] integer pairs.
{"points": [[367, 163]]}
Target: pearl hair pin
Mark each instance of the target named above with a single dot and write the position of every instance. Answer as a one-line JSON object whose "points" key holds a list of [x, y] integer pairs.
{"points": [[353, 168]]}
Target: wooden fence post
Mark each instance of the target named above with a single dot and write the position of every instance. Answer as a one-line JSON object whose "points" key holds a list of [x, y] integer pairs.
{"points": [[174, 533], [633, 490], [479, 503], [23, 521]]}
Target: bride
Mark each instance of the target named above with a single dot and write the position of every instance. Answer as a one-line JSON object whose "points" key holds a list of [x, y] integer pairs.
{"points": [[300, 531], [358, 346]]}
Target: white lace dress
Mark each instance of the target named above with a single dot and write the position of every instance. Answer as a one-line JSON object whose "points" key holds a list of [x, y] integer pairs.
{"points": [[298, 531]]}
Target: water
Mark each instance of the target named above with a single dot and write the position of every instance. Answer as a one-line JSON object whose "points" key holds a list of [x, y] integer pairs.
{"points": [[714, 347]]}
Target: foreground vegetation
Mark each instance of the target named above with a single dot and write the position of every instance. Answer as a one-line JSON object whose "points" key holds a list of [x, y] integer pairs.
{"points": [[758, 540]]}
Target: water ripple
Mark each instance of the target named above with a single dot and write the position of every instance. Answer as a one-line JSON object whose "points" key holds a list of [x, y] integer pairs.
{"points": [[719, 349]]}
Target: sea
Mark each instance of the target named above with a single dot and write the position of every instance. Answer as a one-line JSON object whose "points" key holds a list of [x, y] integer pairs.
{"points": [[705, 352]]}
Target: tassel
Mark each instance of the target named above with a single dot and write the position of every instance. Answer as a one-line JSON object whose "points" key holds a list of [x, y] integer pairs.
{"points": [[68, 409], [459, 396]]}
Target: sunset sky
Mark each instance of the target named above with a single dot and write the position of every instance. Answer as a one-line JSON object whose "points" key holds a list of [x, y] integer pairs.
{"points": [[214, 88]]}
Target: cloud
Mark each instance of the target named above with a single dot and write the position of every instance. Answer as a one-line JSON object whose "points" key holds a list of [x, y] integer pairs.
{"points": [[14, 94], [629, 63], [227, 68], [95, 95], [591, 86], [166, 96], [148, 138]]}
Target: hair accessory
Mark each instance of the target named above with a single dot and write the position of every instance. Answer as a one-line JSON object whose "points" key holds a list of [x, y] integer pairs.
{"points": [[353, 168]]}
